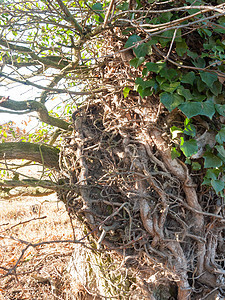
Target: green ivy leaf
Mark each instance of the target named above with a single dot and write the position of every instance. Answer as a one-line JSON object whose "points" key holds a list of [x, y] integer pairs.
{"points": [[212, 173], [132, 40], [208, 78], [189, 147], [199, 62], [171, 101], [181, 48], [220, 109], [136, 62], [145, 83], [188, 78], [155, 67], [165, 17], [190, 130], [175, 153], [126, 91], [208, 109], [143, 50], [218, 185], [211, 160], [220, 149], [191, 109], [196, 166], [170, 87], [185, 93], [220, 137], [169, 74], [216, 88]]}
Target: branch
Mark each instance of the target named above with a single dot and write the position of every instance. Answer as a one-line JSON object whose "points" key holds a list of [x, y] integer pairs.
{"points": [[47, 184], [61, 91], [31, 105], [69, 17], [51, 61], [46, 155]]}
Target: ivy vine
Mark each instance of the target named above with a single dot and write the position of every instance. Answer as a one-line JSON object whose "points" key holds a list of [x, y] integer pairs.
{"points": [[191, 82]]}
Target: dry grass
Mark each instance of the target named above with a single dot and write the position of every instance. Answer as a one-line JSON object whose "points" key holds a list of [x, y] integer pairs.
{"points": [[41, 274]]}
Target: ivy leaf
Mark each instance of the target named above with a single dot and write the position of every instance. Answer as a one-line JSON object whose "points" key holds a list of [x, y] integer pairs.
{"points": [[155, 67], [126, 91], [181, 47], [185, 93], [191, 109], [171, 101], [145, 83], [212, 173], [169, 74], [208, 109], [175, 131], [220, 149], [189, 147], [216, 88], [218, 185], [196, 166], [142, 50], [175, 153], [211, 160], [170, 87], [136, 62], [208, 78], [132, 40], [220, 137], [220, 109], [190, 130]]}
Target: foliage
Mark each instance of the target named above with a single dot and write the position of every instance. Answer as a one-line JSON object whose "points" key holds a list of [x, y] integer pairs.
{"points": [[187, 77]]}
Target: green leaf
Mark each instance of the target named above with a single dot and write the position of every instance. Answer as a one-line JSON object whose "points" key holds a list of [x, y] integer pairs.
{"points": [[175, 153], [136, 62], [199, 62], [220, 109], [190, 130], [126, 91], [181, 47], [188, 78], [220, 137], [175, 131], [211, 160], [132, 40], [97, 7], [196, 166], [146, 92], [220, 149], [169, 74], [170, 87], [189, 147], [143, 50], [145, 72], [191, 109], [171, 101], [216, 88], [212, 173], [208, 78], [208, 108], [145, 83], [191, 54], [165, 17], [185, 93], [218, 185], [155, 67]]}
